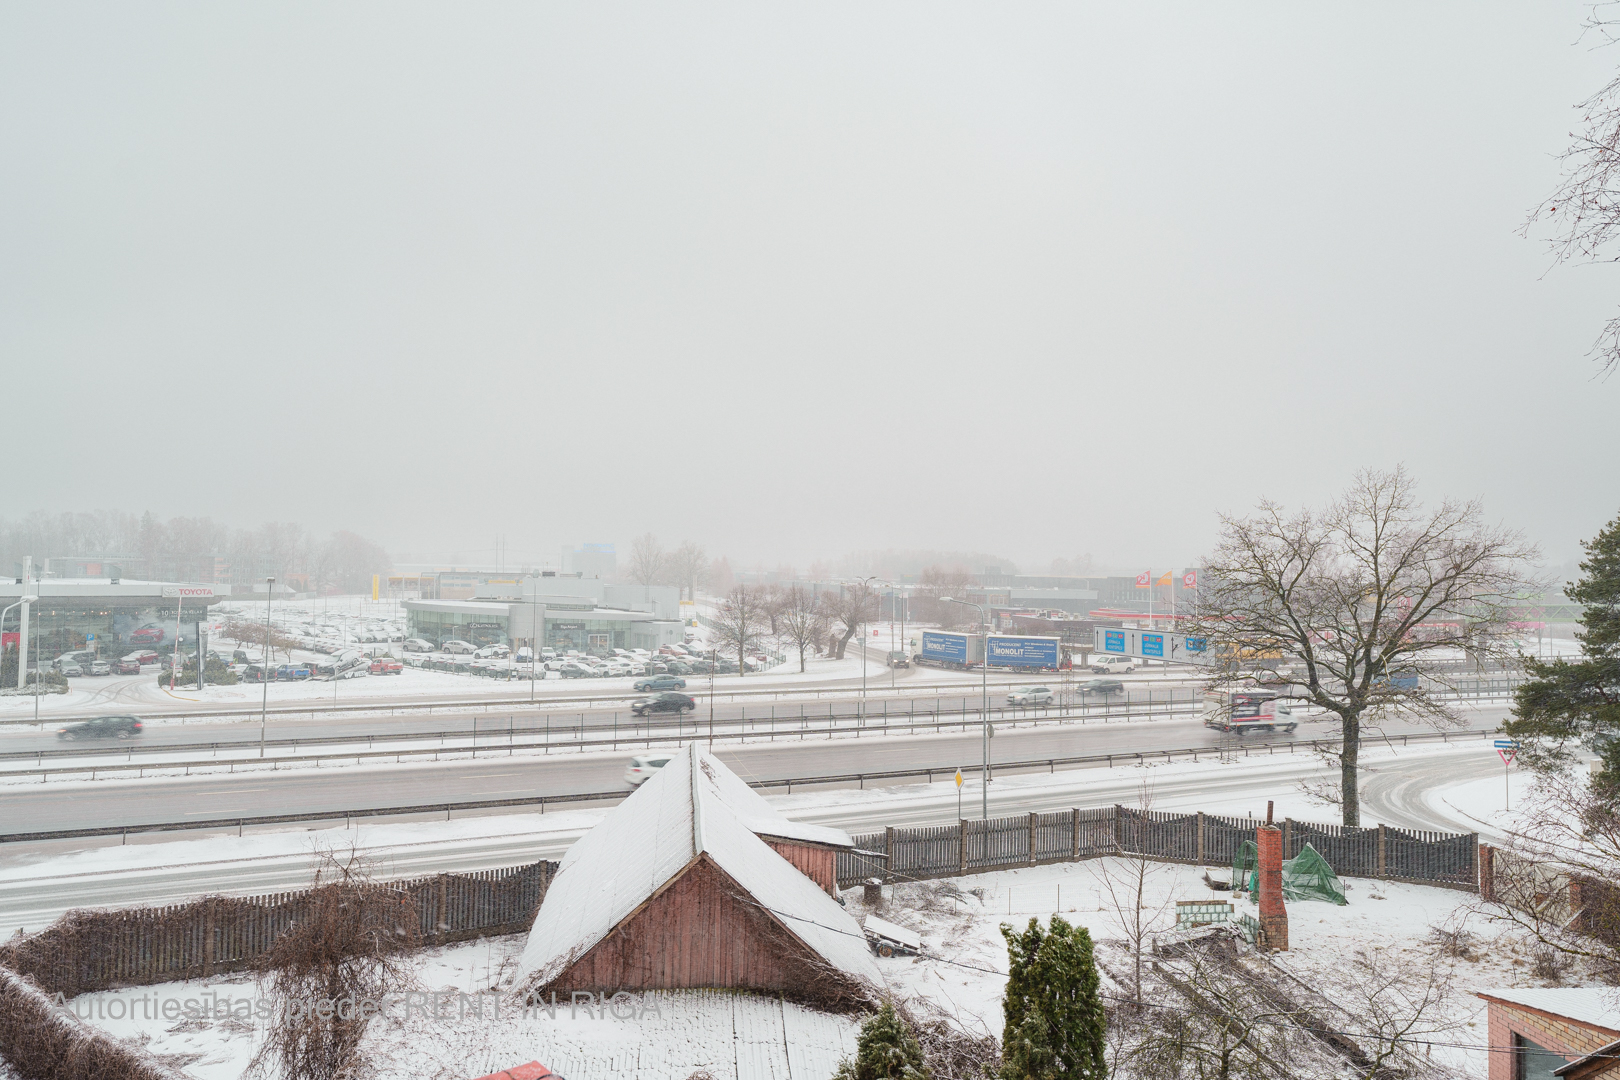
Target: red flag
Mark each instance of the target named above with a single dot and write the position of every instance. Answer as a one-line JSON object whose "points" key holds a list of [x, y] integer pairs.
{"points": [[1144, 579], [1189, 580]]}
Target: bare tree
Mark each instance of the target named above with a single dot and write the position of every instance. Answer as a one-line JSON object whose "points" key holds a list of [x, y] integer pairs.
{"points": [[1126, 876], [848, 610], [688, 567], [647, 560], [740, 622], [1356, 597], [1584, 212], [801, 621], [935, 582]]}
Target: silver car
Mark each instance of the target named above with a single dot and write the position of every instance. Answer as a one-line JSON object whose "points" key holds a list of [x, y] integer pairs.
{"points": [[455, 645]]}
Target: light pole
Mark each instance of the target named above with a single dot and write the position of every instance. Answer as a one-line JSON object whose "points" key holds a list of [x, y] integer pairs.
{"points": [[984, 668], [264, 662], [865, 598]]}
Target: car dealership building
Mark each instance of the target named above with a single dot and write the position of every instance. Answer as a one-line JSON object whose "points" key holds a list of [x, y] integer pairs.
{"points": [[111, 616]]}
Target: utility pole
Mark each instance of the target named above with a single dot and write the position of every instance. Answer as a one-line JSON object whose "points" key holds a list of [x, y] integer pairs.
{"points": [[984, 680], [264, 662]]}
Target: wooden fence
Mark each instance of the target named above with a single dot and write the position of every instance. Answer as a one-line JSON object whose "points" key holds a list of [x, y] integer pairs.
{"points": [[98, 950], [1429, 858]]}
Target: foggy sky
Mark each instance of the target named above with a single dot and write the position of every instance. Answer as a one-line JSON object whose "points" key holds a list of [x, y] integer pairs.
{"points": [[1037, 279]]}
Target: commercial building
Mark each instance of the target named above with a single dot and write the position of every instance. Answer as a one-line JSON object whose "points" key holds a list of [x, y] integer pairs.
{"points": [[565, 622], [108, 616]]}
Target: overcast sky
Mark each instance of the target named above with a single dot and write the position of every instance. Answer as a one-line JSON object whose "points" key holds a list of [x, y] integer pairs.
{"points": [[1034, 279]]}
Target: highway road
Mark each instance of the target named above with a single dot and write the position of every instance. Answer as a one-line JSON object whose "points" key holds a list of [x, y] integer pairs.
{"points": [[109, 802]]}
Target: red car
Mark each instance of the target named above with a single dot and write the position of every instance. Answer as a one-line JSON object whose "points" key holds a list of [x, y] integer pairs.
{"points": [[127, 667], [143, 656], [147, 635], [386, 667]]}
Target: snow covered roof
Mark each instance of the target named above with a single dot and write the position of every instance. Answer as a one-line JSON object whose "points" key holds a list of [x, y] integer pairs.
{"points": [[1595, 1005], [693, 806], [750, 807]]}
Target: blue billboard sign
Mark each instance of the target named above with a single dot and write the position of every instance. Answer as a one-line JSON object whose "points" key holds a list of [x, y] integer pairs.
{"points": [[1114, 641], [1153, 645], [949, 647], [1032, 652], [1196, 646]]}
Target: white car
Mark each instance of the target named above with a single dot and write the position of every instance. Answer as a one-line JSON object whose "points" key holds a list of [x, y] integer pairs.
{"points": [[643, 766], [1030, 695], [1113, 665], [416, 644], [456, 645], [636, 667], [493, 652]]}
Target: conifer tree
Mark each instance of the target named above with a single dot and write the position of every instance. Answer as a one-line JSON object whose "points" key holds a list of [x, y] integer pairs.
{"points": [[1053, 1010], [1578, 701], [886, 1049]]}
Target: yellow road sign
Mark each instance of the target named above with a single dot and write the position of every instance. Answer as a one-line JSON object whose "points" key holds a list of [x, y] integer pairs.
{"points": [[958, 777]]}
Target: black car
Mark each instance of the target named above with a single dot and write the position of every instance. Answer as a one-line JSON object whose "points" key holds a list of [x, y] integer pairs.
{"points": [[660, 682], [102, 727], [678, 667], [665, 702], [1101, 686]]}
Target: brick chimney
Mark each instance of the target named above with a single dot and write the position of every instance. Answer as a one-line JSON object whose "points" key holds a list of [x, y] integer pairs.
{"points": [[1273, 916]]}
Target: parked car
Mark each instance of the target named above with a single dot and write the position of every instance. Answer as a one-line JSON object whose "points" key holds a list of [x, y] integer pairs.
{"points": [[143, 656], [643, 766], [102, 727], [252, 673], [293, 672], [127, 667], [416, 644], [456, 645], [660, 682], [147, 635], [69, 668], [101, 667], [665, 702], [1113, 665], [678, 667], [384, 666], [1030, 695], [1102, 686], [493, 652], [570, 669]]}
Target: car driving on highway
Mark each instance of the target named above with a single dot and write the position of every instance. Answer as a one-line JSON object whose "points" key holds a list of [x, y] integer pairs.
{"points": [[643, 766], [1030, 695], [665, 702], [1102, 686], [102, 727], [1113, 665], [660, 682]]}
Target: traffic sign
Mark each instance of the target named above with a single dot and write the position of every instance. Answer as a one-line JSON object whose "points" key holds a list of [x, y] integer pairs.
{"points": [[958, 777], [1506, 749]]}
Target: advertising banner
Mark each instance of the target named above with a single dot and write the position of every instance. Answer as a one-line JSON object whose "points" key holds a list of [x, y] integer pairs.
{"points": [[947, 647], [187, 591], [1032, 652], [1152, 645]]}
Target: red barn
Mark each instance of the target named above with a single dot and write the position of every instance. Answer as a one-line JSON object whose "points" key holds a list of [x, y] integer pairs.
{"points": [[675, 889]]}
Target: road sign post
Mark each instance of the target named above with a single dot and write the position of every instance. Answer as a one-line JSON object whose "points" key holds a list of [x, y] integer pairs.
{"points": [[1506, 749], [958, 794]]}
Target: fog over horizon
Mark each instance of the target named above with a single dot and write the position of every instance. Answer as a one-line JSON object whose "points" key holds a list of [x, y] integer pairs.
{"points": [[1042, 283]]}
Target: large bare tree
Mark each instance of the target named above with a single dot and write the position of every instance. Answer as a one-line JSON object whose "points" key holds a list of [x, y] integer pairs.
{"points": [[848, 610], [1584, 212], [688, 567], [647, 560], [800, 620], [740, 622], [1356, 598]]}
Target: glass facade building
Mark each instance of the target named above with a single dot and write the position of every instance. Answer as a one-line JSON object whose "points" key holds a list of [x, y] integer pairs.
{"points": [[583, 627]]}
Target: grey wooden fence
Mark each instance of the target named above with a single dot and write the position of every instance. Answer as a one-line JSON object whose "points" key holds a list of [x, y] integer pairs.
{"points": [[97, 950], [1432, 858]]}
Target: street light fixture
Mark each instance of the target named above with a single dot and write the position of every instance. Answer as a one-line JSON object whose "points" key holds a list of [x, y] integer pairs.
{"points": [[984, 668], [866, 590]]}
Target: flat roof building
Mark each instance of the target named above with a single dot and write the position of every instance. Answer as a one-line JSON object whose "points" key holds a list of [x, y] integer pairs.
{"points": [[568, 622]]}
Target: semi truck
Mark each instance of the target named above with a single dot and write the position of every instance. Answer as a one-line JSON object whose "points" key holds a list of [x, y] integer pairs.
{"points": [[1238, 712], [1025, 652], [947, 649]]}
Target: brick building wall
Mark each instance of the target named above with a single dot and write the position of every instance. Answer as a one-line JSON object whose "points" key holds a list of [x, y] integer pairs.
{"points": [[1560, 1034]]}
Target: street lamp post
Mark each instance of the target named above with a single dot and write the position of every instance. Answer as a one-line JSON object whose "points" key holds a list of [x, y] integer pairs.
{"points": [[866, 590], [984, 668], [22, 676], [264, 662]]}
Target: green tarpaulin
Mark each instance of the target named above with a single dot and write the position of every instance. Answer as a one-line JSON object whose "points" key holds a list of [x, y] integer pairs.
{"points": [[1307, 876]]}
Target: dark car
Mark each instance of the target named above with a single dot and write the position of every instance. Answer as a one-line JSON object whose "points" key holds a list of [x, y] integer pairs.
{"points": [[102, 727], [700, 667], [1101, 686], [678, 667], [660, 682], [665, 702]]}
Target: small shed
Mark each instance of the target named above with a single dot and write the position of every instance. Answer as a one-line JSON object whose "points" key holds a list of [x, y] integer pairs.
{"points": [[1540, 1033], [676, 889]]}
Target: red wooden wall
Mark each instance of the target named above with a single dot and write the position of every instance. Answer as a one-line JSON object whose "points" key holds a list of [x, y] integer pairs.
{"points": [[819, 864]]}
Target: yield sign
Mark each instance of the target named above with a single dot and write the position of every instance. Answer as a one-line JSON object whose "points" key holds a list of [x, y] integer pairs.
{"points": [[1506, 749]]}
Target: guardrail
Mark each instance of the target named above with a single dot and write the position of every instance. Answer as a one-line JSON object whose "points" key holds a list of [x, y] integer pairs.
{"points": [[928, 772]]}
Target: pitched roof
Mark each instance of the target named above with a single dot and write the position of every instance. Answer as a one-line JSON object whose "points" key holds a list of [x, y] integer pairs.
{"points": [[1598, 1006], [693, 806]]}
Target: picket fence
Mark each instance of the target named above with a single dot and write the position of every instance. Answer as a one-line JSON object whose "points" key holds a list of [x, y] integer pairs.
{"points": [[1431, 858], [98, 950]]}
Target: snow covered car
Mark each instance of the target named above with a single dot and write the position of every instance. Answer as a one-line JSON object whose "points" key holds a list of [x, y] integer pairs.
{"points": [[1030, 695], [416, 644]]}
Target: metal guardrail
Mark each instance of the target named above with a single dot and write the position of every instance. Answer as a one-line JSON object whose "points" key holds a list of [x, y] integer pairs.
{"points": [[543, 801]]}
